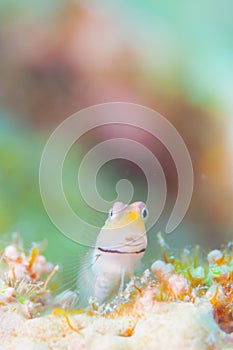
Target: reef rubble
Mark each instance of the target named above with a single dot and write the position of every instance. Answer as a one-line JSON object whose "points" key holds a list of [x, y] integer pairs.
{"points": [[184, 301]]}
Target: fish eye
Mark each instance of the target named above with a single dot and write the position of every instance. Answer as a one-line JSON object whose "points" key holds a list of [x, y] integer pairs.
{"points": [[144, 213], [111, 212]]}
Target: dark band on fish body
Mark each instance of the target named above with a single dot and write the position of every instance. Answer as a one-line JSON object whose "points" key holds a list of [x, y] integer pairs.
{"points": [[119, 252]]}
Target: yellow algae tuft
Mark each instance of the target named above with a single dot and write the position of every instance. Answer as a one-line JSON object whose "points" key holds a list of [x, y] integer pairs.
{"points": [[64, 314]]}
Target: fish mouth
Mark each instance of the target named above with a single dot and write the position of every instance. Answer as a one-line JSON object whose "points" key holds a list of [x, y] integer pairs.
{"points": [[133, 245], [115, 251]]}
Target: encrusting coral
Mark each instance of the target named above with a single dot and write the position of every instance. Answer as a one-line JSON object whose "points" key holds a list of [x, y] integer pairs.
{"points": [[21, 285], [186, 295]]}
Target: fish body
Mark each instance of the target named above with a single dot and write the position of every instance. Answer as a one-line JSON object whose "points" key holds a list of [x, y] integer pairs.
{"points": [[118, 250]]}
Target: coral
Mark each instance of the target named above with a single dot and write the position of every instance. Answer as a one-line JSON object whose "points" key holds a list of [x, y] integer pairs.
{"points": [[22, 286], [187, 295]]}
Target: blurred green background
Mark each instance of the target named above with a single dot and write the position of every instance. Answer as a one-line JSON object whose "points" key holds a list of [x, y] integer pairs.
{"points": [[57, 57]]}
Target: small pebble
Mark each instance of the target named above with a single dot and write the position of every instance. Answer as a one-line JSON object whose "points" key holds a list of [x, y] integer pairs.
{"points": [[214, 256]]}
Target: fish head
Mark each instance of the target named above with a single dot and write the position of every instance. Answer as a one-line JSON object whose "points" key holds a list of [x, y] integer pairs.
{"points": [[124, 230]]}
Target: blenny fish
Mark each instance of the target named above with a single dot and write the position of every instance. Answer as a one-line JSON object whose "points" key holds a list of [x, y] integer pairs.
{"points": [[118, 251]]}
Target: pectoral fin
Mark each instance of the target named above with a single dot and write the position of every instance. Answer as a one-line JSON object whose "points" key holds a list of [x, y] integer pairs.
{"points": [[122, 281]]}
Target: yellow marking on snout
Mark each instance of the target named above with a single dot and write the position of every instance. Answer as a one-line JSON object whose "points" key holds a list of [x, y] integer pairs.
{"points": [[133, 216]]}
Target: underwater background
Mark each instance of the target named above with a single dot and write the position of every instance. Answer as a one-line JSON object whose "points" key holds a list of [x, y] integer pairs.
{"points": [[58, 57]]}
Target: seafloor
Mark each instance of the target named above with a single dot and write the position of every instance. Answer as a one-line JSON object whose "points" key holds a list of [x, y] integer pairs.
{"points": [[184, 301]]}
